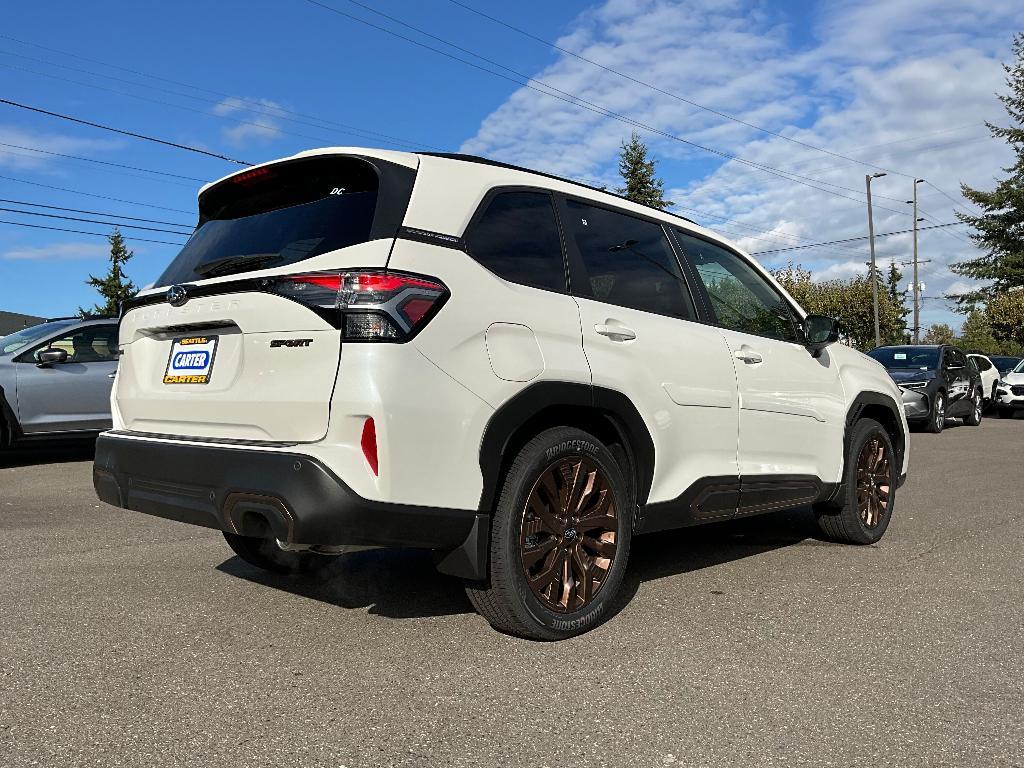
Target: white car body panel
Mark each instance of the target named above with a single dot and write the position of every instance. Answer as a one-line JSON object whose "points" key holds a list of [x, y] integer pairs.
{"points": [[989, 376], [431, 398]]}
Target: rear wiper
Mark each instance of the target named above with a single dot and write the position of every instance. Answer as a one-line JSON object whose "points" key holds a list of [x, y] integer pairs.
{"points": [[209, 268]]}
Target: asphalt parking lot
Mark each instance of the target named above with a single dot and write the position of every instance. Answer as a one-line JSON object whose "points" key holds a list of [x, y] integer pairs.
{"points": [[128, 640]]}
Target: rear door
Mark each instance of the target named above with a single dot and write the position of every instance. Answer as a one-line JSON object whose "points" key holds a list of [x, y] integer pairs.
{"points": [[642, 338], [73, 395], [792, 407], [959, 377], [242, 340]]}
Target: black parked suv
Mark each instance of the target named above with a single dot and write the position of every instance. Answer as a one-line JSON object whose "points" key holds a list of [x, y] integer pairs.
{"points": [[937, 382]]}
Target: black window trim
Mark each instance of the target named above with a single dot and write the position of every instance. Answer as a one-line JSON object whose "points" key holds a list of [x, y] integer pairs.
{"points": [[575, 259], [481, 209], [28, 356], [798, 313]]}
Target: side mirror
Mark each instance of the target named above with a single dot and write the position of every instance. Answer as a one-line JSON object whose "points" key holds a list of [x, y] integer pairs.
{"points": [[819, 332], [51, 356]]}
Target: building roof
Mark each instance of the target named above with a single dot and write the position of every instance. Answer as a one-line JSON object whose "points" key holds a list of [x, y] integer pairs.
{"points": [[12, 321]]}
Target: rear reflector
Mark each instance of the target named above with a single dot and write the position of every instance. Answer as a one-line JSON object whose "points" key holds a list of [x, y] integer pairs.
{"points": [[367, 305], [369, 444]]}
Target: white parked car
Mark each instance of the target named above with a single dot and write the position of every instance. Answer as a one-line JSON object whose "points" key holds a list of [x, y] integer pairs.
{"points": [[1010, 392], [370, 348], [989, 375]]}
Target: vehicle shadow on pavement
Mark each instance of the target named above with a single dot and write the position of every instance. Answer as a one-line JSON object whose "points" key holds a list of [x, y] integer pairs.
{"points": [[403, 584], [50, 453], [396, 583], [683, 550]]}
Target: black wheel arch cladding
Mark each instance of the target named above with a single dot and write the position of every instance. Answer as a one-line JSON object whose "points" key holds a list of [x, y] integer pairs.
{"points": [[571, 404]]}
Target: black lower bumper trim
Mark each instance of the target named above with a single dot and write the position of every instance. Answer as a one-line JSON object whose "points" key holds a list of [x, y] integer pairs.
{"points": [[297, 497]]}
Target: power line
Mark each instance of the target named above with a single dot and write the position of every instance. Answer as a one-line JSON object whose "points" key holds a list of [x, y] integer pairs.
{"points": [[142, 136], [854, 239], [101, 162], [664, 92], [105, 169], [278, 110], [527, 82], [92, 194], [237, 121], [98, 213], [944, 194], [90, 221], [83, 232]]}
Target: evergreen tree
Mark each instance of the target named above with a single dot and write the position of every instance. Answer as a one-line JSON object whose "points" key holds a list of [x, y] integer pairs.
{"points": [[999, 231], [114, 287], [641, 185], [897, 298]]}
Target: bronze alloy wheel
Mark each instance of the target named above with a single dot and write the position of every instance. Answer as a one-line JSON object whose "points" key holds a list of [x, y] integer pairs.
{"points": [[873, 482], [567, 539]]}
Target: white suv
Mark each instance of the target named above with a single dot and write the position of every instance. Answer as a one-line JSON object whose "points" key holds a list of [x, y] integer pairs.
{"points": [[362, 348]]}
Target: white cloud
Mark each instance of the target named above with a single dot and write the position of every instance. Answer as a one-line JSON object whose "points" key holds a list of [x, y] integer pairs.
{"points": [[257, 120], [16, 145], [59, 252], [902, 84]]}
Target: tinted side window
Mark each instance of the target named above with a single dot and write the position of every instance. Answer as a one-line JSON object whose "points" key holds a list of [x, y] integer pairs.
{"points": [[627, 262], [955, 358], [981, 363], [92, 344], [741, 298], [516, 238]]}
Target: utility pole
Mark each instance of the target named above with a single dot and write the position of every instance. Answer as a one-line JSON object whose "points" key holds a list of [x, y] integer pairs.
{"points": [[917, 284], [871, 242]]}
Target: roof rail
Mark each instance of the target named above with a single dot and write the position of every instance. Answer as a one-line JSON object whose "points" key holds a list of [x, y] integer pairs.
{"points": [[499, 164]]}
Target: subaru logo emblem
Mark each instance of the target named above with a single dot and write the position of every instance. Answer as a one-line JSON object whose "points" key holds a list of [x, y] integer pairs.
{"points": [[177, 295]]}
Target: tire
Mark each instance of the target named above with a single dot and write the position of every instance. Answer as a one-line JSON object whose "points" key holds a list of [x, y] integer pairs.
{"points": [[266, 555], [973, 419], [937, 415], [844, 520], [535, 537]]}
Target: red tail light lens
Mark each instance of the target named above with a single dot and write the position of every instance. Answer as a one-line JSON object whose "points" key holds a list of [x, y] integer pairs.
{"points": [[367, 305]]}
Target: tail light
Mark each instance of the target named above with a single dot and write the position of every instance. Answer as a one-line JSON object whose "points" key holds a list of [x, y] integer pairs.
{"points": [[367, 305]]}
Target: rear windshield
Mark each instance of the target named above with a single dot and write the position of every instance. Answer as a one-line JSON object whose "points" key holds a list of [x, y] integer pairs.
{"points": [[922, 358], [277, 215]]}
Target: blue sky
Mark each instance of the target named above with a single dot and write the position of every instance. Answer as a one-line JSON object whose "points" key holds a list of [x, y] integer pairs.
{"points": [[899, 84]]}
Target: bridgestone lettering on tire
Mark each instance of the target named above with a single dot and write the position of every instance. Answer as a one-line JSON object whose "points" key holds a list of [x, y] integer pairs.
{"points": [[560, 539]]}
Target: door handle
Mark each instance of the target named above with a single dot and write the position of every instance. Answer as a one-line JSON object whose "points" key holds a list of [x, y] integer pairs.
{"points": [[748, 357], [616, 332], [111, 375]]}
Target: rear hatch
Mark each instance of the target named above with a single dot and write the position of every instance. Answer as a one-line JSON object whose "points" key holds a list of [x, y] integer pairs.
{"points": [[240, 338]]}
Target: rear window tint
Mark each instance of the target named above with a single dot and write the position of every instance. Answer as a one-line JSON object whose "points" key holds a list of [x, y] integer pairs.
{"points": [[517, 238], [278, 215]]}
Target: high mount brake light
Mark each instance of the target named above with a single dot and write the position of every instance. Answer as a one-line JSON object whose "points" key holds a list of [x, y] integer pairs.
{"points": [[367, 305]]}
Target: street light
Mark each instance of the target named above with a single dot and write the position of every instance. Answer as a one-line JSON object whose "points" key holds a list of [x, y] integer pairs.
{"points": [[871, 243]]}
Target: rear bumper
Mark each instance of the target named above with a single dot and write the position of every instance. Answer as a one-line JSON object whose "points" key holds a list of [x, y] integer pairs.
{"points": [[245, 490]]}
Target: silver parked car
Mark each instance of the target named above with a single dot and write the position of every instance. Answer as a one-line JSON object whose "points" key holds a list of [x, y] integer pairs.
{"points": [[55, 379]]}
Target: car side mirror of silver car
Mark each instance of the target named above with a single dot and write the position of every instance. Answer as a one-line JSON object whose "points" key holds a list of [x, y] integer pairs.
{"points": [[819, 332], [50, 357]]}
